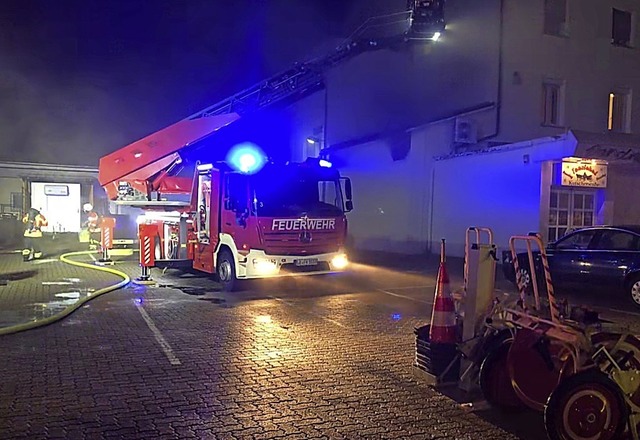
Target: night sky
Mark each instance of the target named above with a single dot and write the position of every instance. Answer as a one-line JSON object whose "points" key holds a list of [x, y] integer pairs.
{"points": [[82, 78]]}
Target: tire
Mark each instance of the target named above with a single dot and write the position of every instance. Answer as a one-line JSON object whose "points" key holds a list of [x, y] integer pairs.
{"points": [[633, 289], [226, 271], [586, 405], [494, 379]]}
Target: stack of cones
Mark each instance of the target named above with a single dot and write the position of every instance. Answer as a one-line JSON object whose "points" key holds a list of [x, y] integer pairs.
{"points": [[443, 328]]}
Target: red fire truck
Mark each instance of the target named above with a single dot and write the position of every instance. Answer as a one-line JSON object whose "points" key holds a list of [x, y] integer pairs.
{"points": [[248, 217]]}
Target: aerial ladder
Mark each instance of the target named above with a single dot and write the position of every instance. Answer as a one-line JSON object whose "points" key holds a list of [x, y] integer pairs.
{"points": [[139, 173], [193, 218]]}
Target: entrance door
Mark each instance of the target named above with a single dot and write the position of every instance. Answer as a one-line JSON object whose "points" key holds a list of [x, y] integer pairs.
{"points": [[570, 209]]}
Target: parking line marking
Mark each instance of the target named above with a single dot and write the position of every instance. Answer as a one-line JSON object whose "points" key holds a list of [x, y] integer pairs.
{"points": [[333, 321], [166, 348], [405, 297], [48, 260]]}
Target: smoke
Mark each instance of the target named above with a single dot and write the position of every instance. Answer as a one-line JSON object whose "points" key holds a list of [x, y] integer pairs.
{"points": [[82, 78]]}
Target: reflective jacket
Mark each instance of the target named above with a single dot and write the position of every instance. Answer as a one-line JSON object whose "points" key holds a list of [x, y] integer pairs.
{"points": [[34, 227], [93, 221]]}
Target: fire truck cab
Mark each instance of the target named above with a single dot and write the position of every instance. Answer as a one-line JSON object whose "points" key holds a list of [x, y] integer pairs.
{"points": [[275, 220]]}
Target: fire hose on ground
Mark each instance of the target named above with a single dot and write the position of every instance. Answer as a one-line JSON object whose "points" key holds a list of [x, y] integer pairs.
{"points": [[75, 306]]}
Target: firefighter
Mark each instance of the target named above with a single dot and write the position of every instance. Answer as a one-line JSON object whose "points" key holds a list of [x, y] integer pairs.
{"points": [[92, 224], [34, 221]]}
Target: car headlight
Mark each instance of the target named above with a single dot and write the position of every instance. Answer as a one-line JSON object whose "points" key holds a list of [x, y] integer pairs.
{"points": [[339, 262]]}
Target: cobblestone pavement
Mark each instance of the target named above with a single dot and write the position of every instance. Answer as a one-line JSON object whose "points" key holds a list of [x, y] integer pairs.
{"points": [[308, 357], [301, 359], [38, 289]]}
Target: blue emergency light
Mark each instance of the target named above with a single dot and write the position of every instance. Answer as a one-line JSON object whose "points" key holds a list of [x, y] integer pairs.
{"points": [[246, 157]]}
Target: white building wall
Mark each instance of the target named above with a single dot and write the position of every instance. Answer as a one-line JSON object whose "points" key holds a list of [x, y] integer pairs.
{"points": [[591, 66], [393, 198], [622, 196], [496, 190], [382, 92]]}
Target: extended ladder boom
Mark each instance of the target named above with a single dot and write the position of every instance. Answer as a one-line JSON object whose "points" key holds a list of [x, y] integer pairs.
{"points": [[145, 165]]}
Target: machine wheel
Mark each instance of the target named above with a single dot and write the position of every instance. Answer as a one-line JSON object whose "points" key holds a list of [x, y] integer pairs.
{"points": [[226, 270], [536, 365], [495, 382], [587, 405], [633, 289]]}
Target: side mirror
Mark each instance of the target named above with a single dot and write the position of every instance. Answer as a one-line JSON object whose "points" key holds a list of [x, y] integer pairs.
{"points": [[349, 206], [347, 189]]}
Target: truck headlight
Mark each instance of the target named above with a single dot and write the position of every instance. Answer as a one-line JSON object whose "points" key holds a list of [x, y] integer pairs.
{"points": [[339, 262], [265, 267]]}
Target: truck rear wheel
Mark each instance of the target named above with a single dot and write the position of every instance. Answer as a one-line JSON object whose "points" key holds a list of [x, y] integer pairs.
{"points": [[226, 270]]}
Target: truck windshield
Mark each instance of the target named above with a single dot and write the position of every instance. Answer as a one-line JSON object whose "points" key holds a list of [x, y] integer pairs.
{"points": [[291, 196]]}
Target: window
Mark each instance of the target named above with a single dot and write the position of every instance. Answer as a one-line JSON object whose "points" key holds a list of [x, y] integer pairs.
{"points": [[617, 241], [621, 28], [553, 92], [16, 201], [237, 192], [555, 18], [619, 119], [579, 240], [569, 209]]}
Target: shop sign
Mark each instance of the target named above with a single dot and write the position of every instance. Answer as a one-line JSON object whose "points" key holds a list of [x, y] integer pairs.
{"points": [[586, 173]]}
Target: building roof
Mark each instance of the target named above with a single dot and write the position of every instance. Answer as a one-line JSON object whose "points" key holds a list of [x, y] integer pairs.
{"points": [[47, 171]]}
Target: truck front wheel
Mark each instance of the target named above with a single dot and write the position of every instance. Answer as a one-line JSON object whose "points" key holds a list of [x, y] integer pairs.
{"points": [[226, 270]]}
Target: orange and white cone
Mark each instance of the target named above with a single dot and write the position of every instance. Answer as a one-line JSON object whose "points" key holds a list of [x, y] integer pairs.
{"points": [[443, 318]]}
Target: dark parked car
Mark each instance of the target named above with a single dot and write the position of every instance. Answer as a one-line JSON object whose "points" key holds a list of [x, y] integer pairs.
{"points": [[594, 257]]}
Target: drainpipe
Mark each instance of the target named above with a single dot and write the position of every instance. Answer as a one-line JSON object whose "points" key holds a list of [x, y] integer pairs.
{"points": [[500, 50]]}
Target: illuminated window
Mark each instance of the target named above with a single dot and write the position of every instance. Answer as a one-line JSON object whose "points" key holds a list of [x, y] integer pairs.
{"points": [[619, 115], [621, 28], [556, 18], [570, 209], [553, 92]]}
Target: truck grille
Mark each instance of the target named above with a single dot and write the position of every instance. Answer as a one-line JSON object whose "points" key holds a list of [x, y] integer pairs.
{"points": [[289, 243]]}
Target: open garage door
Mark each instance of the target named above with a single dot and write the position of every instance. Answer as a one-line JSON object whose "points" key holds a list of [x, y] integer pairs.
{"points": [[60, 204]]}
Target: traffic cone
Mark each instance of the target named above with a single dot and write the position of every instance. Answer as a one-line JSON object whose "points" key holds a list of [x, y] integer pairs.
{"points": [[443, 328]]}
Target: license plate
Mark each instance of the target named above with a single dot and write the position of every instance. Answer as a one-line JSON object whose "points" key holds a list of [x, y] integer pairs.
{"points": [[306, 262]]}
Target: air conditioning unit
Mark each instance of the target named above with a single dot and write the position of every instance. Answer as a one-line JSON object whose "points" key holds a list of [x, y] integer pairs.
{"points": [[465, 131]]}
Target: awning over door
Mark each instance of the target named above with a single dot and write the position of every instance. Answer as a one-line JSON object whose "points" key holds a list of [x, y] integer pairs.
{"points": [[612, 147]]}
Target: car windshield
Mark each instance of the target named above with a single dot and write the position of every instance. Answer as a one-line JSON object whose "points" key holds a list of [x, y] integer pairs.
{"points": [[290, 195]]}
